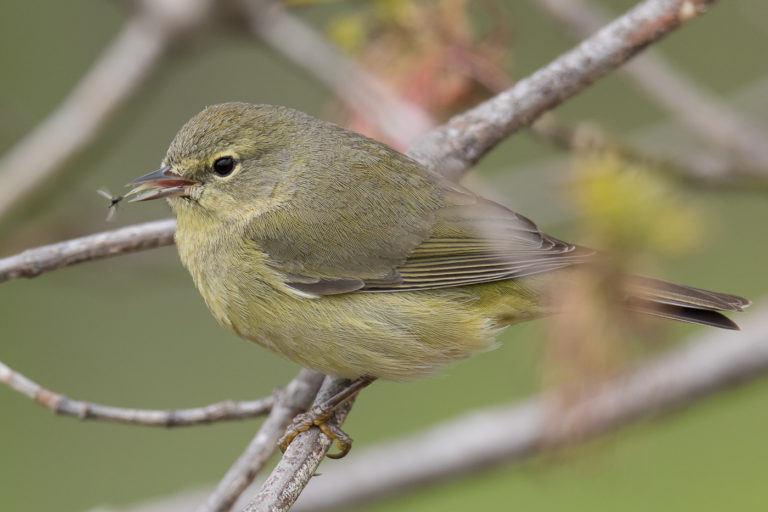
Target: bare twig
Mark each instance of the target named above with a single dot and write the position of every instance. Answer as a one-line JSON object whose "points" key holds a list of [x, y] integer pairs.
{"points": [[296, 398], [118, 72], [66, 406], [454, 147], [33, 262], [700, 169], [698, 109], [300, 461], [400, 120]]}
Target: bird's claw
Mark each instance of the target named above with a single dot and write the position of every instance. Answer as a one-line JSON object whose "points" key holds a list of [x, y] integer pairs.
{"points": [[318, 417]]}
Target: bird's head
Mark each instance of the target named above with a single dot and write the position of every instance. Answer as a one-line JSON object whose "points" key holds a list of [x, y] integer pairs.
{"points": [[227, 161]]}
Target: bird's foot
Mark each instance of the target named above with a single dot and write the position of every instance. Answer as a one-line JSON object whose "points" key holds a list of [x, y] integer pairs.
{"points": [[318, 416]]}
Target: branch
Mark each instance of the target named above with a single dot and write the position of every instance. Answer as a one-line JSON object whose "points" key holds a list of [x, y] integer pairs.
{"points": [[696, 108], [454, 147], [296, 398], [399, 119], [117, 73], [33, 262], [702, 168], [300, 461], [60, 404]]}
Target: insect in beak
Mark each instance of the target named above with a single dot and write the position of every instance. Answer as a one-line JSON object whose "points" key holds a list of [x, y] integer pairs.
{"points": [[158, 184]]}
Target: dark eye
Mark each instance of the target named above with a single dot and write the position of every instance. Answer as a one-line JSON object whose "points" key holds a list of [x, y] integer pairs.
{"points": [[224, 166]]}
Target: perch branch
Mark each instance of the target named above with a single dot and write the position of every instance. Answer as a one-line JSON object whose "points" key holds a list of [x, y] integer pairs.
{"points": [[300, 461], [296, 398]]}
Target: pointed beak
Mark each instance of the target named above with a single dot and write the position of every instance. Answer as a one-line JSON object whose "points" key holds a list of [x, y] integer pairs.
{"points": [[158, 184]]}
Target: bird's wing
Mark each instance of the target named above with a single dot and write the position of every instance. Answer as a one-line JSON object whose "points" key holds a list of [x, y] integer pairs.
{"points": [[471, 240], [478, 243]]}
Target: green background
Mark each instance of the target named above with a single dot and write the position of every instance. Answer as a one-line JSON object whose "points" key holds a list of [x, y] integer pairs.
{"points": [[132, 331]]}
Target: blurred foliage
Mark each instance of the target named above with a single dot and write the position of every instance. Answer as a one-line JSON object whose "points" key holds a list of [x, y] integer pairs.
{"points": [[132, 331], [442, 56], [626, 207], [634, 214]]}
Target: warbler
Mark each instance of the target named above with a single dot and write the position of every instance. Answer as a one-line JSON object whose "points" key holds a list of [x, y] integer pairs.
{"points": [[345, 256]]}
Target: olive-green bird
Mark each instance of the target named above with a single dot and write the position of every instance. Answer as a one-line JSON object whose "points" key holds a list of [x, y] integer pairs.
{"points": [[343, 255]]}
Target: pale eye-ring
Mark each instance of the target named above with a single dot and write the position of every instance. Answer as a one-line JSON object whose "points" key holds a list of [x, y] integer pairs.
{"points": [[224, 166]]}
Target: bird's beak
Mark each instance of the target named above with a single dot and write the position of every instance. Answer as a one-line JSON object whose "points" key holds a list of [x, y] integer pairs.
{"points": [[158, 184]]}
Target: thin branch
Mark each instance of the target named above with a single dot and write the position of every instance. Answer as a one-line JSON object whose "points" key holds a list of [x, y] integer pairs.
{"points": [[63, 405], [300, 461], [695, 107], [454, 147], [33, 262], [700, 169], [296, 398], [118, 72], [399, 119]]}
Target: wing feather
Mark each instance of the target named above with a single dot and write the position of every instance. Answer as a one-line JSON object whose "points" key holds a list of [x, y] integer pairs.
{"points": [[476, 241], [472, 241]]}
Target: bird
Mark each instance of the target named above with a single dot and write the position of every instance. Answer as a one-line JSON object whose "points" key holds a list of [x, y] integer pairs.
{"points": [[343, 255]]}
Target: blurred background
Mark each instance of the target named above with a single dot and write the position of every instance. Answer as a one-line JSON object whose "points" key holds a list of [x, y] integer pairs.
{"points": [[132, 331]]}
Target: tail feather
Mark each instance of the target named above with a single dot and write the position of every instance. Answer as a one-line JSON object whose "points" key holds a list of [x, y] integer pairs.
{"points": [[684, 303], [690, 315]]}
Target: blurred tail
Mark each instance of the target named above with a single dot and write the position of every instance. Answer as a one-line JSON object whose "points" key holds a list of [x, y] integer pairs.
{"points": [[684, 303]]}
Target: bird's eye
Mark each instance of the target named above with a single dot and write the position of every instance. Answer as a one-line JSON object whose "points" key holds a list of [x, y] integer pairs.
{"points": [[224, 166]]}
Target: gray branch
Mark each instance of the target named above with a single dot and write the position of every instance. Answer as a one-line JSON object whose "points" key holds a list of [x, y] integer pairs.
{"points": [[300, 461], [695, 107], [33, 262], [703, 168], [454, 147], [66, 406], [401, 121], [296, 398], [117, 73]]}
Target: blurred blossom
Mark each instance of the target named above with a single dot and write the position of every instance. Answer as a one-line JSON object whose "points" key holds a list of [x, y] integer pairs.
{"points": [[628, 209], [443, 56], [631, 214]]}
